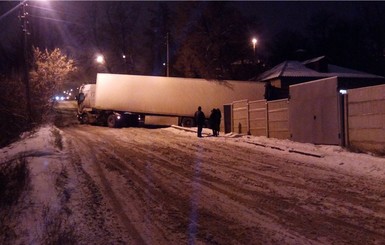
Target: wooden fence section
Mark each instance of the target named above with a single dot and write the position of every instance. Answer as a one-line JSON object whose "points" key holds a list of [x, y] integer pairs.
{"points": [[261, 118], [278, 119], [365, 115]]}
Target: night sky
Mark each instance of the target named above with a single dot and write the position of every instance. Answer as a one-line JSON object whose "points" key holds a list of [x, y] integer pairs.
{"points": [[277, 15], [273, 16]]}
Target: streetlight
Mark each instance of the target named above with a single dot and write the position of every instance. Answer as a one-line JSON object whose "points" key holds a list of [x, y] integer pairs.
{"points": [[254, 42], [100, 59], [102, 62]]}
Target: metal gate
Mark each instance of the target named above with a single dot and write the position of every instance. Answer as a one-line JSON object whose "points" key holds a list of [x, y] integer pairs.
{"points": [[315, 112]]}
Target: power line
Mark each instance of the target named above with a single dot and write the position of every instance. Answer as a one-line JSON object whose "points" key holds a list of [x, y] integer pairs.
{"points": [[57, 20], [10, 11]]}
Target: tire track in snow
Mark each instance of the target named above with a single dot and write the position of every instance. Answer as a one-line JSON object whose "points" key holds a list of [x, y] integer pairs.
{"points": [[328, 219], [346, 222], [234, 197], [178, 207], [83, 143]]}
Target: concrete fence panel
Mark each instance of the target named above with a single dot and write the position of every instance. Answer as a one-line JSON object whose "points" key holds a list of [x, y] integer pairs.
{"points": [[261, 118], [240, 117], [366, 119], [278, 119], [258, 118]]}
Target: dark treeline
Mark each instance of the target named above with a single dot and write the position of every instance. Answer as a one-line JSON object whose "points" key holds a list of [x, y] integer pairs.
{"points": [[197, 39], [357, 42]]}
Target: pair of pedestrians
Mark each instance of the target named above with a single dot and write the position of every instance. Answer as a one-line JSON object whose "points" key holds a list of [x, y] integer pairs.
{"points": [[215, 120]]}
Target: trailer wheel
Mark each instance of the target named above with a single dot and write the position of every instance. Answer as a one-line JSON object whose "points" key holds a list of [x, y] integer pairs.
{"points": [[84, 119], [187, 122], [111, 121]]}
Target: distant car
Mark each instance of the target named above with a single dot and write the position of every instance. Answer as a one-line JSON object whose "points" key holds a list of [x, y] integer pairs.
{"points": [[60, 97], [65, 95]]}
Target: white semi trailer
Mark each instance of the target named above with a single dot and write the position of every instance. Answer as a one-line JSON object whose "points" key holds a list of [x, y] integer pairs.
{"points": [[116, 99]]}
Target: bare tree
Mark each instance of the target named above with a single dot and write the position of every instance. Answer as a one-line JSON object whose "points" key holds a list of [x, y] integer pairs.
{"points": [[111, 29], [214, 39], [13, 119], [160, 39]]}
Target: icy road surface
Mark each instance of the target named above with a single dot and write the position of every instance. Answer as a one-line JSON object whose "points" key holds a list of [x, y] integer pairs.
{"points": [[166, 186], [158, 186]]}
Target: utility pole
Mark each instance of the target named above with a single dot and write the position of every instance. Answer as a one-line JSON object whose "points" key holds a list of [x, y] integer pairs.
{"points": [[168, 55], [24, 20]]}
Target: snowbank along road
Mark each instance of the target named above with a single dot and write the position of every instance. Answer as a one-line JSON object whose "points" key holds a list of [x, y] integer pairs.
{"points": [[166, 186]]}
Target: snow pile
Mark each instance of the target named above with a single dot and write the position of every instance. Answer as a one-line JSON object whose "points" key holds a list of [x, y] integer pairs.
{"points": [[325, 155], [43, 149]]}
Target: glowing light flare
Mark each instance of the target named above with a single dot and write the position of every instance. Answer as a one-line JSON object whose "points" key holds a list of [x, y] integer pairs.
{"points": [[254, 41], [100, 59]]}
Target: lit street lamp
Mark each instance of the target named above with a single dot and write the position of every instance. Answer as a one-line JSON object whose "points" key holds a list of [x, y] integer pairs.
{"points": [[102, 63], [100, 59], [254, 42]]}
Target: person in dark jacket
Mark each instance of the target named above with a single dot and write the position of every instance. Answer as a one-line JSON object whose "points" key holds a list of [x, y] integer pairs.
{"points": [[215, 121], [200, 120]]}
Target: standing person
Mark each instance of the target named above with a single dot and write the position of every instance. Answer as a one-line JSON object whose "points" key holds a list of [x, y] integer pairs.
{"points": [[218, 121], [200, 120], [213, 121]]}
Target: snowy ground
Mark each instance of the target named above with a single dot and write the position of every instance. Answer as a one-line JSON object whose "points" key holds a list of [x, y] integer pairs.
{"points": [[96, 185]]}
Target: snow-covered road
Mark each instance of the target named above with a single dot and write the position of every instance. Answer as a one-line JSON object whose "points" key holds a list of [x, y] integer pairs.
{"points": [[166, 186]]}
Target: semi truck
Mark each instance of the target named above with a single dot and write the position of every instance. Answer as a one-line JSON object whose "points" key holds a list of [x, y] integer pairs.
{"points": [[119, 100]]}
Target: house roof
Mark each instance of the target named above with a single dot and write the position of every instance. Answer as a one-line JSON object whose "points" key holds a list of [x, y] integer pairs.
{"points": [[298, 69], [314, 60]]}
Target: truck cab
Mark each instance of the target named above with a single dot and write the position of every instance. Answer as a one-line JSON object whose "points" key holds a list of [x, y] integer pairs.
{"points": [[88, 114]]}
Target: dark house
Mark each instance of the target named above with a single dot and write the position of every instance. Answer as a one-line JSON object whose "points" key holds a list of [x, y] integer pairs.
{"points": [[278, 79]]}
